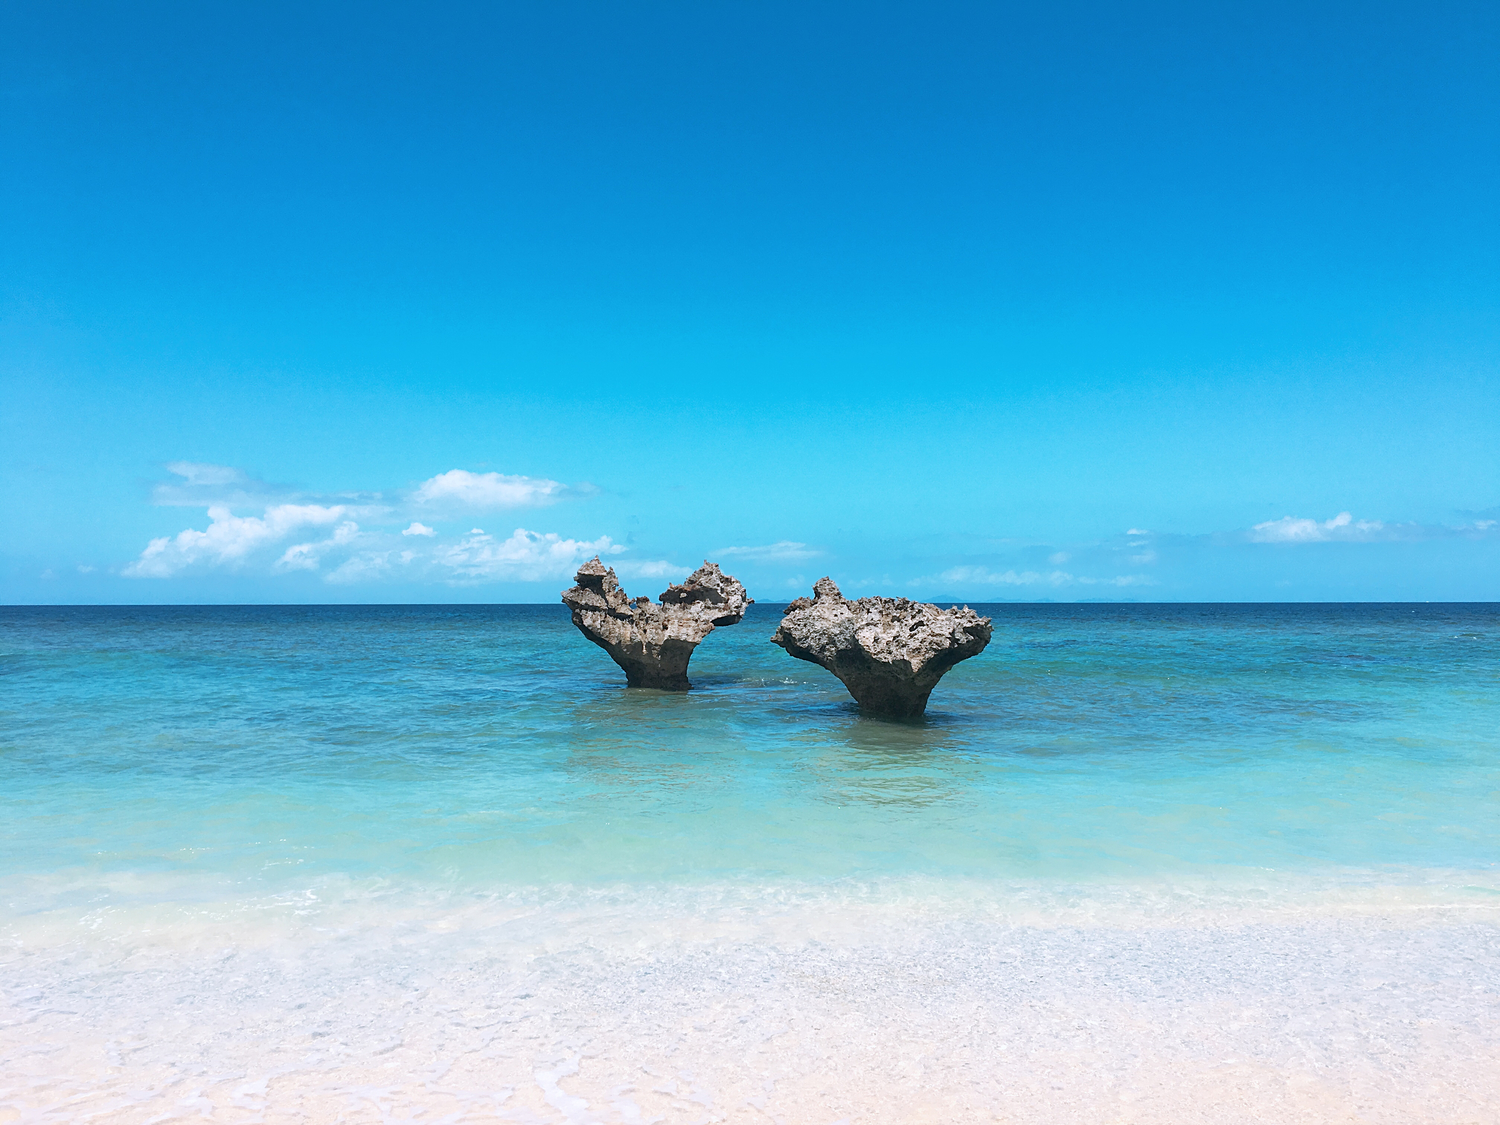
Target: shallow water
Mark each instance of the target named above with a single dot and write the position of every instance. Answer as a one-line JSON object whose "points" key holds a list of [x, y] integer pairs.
{"points": [[1127, 844]]}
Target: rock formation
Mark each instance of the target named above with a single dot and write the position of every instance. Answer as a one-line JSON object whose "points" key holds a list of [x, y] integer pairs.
{"points": [[890, 652], [654, 643]]}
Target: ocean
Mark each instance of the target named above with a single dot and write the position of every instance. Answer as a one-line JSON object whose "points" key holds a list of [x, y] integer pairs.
{"points": [[1139, 863]]}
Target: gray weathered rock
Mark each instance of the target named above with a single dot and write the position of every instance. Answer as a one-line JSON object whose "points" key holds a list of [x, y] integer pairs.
{"points": [[890, 652], [654, 643]]}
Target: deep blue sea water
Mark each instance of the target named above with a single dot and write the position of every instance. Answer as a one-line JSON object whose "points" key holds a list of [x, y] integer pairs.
{"points": [[367, 793]]}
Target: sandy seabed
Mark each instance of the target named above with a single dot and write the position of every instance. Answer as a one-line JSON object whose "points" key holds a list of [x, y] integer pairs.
{"points": [[804, 1014]]}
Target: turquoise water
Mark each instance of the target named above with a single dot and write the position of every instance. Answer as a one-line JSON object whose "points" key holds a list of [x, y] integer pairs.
{"points": [[491, 745], [1155, 864]]}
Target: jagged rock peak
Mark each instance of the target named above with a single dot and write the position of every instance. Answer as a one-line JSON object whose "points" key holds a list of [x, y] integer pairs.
{"points": [[716, 591], [889, 652], [593, 573], [653, 643]]}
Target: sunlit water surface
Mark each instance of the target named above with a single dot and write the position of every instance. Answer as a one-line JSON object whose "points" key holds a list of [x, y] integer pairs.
{"points": [[1139, 863]]}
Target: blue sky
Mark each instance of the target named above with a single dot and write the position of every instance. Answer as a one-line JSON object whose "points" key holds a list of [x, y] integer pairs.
{"points": [[327, 302]]}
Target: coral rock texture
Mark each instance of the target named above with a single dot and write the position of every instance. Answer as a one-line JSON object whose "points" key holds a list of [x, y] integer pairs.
{"points": [[890, 652], [654, 643]]}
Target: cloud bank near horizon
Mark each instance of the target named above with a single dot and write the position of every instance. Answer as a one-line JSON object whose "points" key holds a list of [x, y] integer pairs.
{"points": [[1156, 561], [784, 550], [356, 538], [426, 533], [1344, 528], [983, 578], [465, 491]]}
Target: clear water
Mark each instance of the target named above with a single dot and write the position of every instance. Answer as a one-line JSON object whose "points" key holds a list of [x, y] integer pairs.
{"points": [[480, 746], [321, 787]]}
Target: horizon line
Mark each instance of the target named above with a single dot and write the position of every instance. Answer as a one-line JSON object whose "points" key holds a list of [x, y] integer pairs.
{"points": [[766, 602]]}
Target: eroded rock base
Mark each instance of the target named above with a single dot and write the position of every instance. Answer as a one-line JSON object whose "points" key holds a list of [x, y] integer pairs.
{"points": [[889, 652], [653, 643]]}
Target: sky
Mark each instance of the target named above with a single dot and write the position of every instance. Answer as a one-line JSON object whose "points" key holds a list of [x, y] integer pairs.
{"points": [[425, 303]]}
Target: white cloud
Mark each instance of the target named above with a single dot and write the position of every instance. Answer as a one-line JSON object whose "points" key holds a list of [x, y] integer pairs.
{"points": [[527, 556], [649, 568], [202, 485], [300, 557], [460, 488], [228, 540], [298, 532], [783, 551], [980, 576], [1137, 531], [1342, 528], [1059, 558], [362, 568], [306, 556], [199, 473]]}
